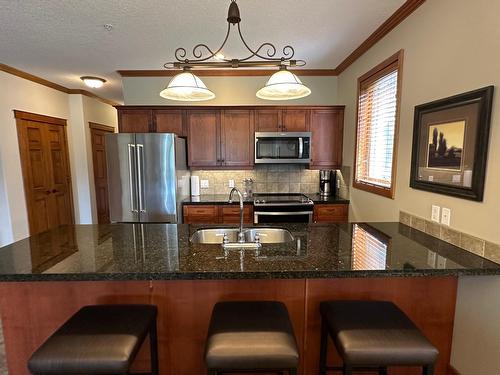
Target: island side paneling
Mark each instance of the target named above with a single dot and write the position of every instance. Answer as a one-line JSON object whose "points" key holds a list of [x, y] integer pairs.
{"points": [[31, 311]]}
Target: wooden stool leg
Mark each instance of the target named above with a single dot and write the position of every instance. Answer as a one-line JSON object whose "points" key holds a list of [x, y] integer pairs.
{"points": [[323, 348], [428, 370], [153, 342], [347, 369]]}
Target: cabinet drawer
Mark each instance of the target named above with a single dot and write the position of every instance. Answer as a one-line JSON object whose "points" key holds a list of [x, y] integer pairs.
{"points": [[231, 214], [330, 213], [200, 214]]}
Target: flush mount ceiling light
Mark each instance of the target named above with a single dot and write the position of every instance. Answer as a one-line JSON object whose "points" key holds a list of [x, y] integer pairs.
{"points": [[186, 86], [282, 85], [93, 82]]}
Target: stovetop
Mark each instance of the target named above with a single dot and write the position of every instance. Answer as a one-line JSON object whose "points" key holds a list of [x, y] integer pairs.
{"points": [[281, 199]]}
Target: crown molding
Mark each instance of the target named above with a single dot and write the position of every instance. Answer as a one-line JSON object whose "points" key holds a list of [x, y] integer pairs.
{"points": [[52, 85], [394, 20], [225, 72]]}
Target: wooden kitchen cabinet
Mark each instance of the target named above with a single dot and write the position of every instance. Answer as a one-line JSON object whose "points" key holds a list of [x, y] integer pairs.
{"points": [[327, 128], [135, 120], [203, 128], [169, 121], [331, 213], [237, 138], [282, 120], [217, 214]]}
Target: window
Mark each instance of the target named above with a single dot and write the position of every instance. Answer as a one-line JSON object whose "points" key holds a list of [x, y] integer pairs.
{"points": [[377, 127]]}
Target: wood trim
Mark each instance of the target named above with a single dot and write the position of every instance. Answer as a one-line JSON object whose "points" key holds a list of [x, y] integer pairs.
{"points": [[397, 59], [397, 17], [52, 85], [226, 72], [106, 128], [228, 107], [28, 116], [452, 370]]}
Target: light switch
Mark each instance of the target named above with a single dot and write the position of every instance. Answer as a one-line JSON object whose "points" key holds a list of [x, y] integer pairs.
{"points": [[231, 183], [204, 184], [445, 216], [435, 213]]}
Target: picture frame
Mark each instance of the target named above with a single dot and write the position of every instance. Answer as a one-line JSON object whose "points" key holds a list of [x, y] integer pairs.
{"points": [[450, 144]]}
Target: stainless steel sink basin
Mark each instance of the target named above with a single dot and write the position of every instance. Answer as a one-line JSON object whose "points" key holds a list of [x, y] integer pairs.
{"points": [[216, 235]]}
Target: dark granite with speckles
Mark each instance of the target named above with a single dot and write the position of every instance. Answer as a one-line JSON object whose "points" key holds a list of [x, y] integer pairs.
{"points": [[163, 252]]}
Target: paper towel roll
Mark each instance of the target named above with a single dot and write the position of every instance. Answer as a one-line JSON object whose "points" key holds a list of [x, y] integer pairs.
{"points": [[195, 186]]}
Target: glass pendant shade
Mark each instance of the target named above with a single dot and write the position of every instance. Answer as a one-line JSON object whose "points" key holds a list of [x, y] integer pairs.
{"points": [[283, 85], [187, 87]]}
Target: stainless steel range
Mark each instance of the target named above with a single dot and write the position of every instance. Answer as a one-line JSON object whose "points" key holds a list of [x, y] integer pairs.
{"points": [[282, 208]]}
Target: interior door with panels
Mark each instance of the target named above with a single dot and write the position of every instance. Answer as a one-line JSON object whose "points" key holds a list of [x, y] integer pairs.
{"points": [[237, 138], [203, 138], [44, 162]]}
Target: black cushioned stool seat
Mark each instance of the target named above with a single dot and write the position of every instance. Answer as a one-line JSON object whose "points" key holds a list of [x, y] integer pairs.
{"points": [[374, 334], [101, 339], [246, 336]]}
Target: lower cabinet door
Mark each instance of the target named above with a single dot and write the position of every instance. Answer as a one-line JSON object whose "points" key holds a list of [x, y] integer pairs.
{"points": [[231, 214], [201, 214], [330, 213]]}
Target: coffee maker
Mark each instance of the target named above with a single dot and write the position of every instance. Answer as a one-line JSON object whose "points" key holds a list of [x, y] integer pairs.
{"points": [[327, 182]]}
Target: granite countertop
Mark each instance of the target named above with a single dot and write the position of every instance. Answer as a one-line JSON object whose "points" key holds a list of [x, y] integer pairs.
{"points": [[163, 252], [223, 199]]}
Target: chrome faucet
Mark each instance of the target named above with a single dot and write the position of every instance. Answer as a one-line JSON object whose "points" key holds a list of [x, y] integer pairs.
{"points": [[241, 235]]}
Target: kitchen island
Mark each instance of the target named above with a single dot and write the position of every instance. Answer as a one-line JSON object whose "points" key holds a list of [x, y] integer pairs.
{"points": [[44, 279]]}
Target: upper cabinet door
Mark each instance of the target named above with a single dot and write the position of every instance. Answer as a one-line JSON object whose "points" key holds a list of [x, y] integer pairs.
{"points": [[135, 120], [268, 120], [327, 126], [169, 121], [237, 138], [203, 138], [296, 120]]}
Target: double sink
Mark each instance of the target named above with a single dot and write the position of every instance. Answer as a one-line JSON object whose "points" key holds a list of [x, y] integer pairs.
{"points": [[252, 235]]}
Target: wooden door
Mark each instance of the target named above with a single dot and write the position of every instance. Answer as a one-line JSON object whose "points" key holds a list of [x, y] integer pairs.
{"points": [[203, 138], [237, 138], [296, 120], [268, 120], [97, 135], [135, 120], [327, 126], [43, 147], [169, 121]]}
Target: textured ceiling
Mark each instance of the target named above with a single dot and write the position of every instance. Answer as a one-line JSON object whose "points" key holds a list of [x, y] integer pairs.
{"points": [[61, 40]]}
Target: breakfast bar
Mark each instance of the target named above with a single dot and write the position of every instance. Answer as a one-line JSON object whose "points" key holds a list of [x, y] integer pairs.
{"points": [[46, 278]]}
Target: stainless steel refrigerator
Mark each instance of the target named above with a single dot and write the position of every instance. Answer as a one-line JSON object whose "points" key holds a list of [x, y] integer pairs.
{"points": [[147, 177]]}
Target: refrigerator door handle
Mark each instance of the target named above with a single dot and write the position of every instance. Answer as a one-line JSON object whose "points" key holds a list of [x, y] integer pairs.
{"points": [[140, 155], [131, 147]]}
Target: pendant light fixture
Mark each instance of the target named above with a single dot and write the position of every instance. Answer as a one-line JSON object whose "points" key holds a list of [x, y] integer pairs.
{"points": [[282, 85], [187, 87]]}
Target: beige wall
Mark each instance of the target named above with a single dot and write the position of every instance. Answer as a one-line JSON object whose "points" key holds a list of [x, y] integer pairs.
{"points": [[24, 95], [450, 47], [228, 91]]}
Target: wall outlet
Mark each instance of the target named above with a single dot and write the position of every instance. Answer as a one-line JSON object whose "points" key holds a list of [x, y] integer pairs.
{"points": [[445, 216], [435, 213], [231, 183], [204, 184]]}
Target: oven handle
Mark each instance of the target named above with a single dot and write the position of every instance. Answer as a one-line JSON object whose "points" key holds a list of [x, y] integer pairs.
{"points": [[279, 213]]}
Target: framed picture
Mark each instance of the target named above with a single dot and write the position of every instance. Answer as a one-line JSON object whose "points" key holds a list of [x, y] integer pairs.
{"points": [[450, 144]]}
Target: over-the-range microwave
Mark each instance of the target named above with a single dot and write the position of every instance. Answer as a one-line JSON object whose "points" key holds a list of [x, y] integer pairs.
{"points": [[287, 147]]}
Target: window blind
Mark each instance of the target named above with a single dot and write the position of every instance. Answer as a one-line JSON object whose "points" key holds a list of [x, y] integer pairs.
{"points": [[368, 252], [376, 127]]}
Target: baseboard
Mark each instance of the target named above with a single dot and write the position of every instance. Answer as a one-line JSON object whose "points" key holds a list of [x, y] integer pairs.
{"points": [[452, 370]]}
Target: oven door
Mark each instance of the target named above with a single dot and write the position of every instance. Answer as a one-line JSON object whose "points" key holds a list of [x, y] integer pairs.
{"points": [[282, 147], [282, 215]]}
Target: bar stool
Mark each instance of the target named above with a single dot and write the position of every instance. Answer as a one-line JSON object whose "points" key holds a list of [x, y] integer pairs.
{"points": [[251, 337], [373, 335], [100, 339]]}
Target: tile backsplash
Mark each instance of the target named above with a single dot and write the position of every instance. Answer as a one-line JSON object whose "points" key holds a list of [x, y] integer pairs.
{"points": [[274, 178]]}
